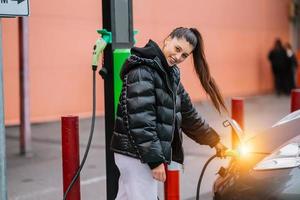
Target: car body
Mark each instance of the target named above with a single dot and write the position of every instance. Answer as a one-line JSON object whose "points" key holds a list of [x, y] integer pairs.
{"points": [[271, 168]]}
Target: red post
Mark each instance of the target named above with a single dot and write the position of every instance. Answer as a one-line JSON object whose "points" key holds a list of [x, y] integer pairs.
{"points": [[70, 154], [172, 186], [295, 100], [25, 128], [237, 113]]}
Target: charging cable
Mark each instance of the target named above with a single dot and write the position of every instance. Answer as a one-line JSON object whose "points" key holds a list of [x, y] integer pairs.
{"points": [[97, 50], [201, 175], [231, 153], [90, 137]]}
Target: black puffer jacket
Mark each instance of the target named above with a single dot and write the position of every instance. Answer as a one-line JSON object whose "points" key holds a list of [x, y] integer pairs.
{"points": [[153, 110]]}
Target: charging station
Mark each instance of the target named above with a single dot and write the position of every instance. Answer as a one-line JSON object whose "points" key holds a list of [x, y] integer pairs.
{"points": [[117, 19]]}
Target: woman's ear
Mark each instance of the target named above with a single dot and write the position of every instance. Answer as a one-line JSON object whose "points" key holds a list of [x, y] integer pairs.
{"points": [[167, 40]]}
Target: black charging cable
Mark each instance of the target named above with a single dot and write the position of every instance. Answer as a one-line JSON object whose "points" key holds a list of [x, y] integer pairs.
{"points": [[90, 137], [201, 175]]}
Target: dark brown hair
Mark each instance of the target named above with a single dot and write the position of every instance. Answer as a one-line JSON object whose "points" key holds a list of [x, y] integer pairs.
{"points": [[193, 36]]}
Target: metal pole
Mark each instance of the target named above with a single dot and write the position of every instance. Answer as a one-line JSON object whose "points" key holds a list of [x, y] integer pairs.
{"points": [[25, 129], [237, 113], [3, 190], [70, 154], [117, 19], [112, 172]]}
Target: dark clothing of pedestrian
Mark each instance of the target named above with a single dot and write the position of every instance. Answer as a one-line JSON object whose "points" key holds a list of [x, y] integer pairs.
{"points": [[279, 62], [291, 71]]}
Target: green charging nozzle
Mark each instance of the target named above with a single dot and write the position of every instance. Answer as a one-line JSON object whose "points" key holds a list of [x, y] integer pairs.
{"points": [[100, 46]]}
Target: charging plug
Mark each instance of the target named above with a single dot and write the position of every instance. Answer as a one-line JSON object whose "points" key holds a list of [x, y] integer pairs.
{"points": [[98, 49], [231, 153], [100, 46]]}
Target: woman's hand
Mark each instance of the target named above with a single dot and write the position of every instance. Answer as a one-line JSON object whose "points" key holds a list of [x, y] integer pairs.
{"points": [[221, 150], [159, 173]]}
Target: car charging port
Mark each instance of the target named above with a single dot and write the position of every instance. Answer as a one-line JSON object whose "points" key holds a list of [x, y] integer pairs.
{"points": [[222, 172]]}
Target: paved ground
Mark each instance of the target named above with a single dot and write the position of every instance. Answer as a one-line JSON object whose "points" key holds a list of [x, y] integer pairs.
{"points": [[40, 177]]}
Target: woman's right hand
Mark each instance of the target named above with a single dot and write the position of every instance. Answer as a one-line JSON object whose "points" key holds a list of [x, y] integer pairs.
{"points": [[221, 150], [159, 173]]}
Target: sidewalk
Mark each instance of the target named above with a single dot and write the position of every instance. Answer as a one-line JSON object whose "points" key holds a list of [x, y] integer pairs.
{"points": [[40, 177]]}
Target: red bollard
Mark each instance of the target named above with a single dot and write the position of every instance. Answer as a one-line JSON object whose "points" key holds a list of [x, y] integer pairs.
{"points": [[295, 100], [70, 155], [237, 113], [298, 77], [172, 186]]}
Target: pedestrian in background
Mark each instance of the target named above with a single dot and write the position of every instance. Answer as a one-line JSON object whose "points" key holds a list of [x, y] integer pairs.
{"points": [[154, 109], [291, 68], [279, 62]]}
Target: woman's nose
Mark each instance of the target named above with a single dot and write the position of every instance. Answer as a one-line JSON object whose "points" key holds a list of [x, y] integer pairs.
{"points": [[177, 56]]}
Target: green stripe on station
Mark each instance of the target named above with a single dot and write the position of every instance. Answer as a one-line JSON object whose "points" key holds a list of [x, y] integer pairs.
{"points": [[120, 55]]}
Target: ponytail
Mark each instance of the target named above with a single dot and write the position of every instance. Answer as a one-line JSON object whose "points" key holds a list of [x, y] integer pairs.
{"points": [[193, 36], [203, 73]]}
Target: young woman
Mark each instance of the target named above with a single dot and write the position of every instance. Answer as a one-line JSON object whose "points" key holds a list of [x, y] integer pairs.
{"points": [[154, 109]]}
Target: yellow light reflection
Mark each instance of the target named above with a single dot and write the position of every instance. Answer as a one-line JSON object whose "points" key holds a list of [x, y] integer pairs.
{"points": [[244, 150]]}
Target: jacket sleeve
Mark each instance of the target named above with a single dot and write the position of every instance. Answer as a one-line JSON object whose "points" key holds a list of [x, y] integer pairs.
{"points": [[193, 125], [140, 115]]}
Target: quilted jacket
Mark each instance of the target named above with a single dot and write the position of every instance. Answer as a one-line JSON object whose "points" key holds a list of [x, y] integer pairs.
{"points": [[153, 110]]}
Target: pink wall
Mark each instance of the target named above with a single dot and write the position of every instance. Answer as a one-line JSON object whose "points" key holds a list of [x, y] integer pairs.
{"points": [[237, 35]]}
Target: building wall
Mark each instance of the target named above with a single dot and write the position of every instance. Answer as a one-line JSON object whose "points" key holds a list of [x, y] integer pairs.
{"points": [[237, 36]]}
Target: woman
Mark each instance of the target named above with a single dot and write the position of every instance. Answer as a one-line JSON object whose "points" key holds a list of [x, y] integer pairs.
{"points": [[279, 62], [154, 109]]}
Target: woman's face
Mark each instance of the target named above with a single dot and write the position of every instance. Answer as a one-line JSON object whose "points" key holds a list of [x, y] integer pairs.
{"points": [[176, 50]]}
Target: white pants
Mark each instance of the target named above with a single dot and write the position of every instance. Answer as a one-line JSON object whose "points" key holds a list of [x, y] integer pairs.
{"points": [[136, 181]]}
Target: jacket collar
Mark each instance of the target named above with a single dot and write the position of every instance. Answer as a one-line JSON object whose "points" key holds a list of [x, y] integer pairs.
{"points": [[135, 61], [174, 73]]}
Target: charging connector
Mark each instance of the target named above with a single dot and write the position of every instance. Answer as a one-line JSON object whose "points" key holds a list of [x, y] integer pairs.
{"points": [[100, 46], [227, 153]]}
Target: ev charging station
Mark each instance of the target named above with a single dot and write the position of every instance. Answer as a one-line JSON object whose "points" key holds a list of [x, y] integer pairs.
{"points": [[117, 19]]}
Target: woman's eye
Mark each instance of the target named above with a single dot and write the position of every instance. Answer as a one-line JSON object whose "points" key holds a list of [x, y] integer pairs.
{"points": [[177, 49]]}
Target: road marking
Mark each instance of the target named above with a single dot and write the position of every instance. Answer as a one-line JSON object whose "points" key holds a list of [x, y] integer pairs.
{"points": [[40, 193], [93, 180], [37, 193]]}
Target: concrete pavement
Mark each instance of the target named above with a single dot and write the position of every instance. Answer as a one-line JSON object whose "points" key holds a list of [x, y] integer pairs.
{"points": [[40, 176]]}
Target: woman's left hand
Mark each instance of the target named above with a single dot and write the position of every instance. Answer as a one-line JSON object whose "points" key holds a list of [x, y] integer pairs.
{"points": [[221, 150]]}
